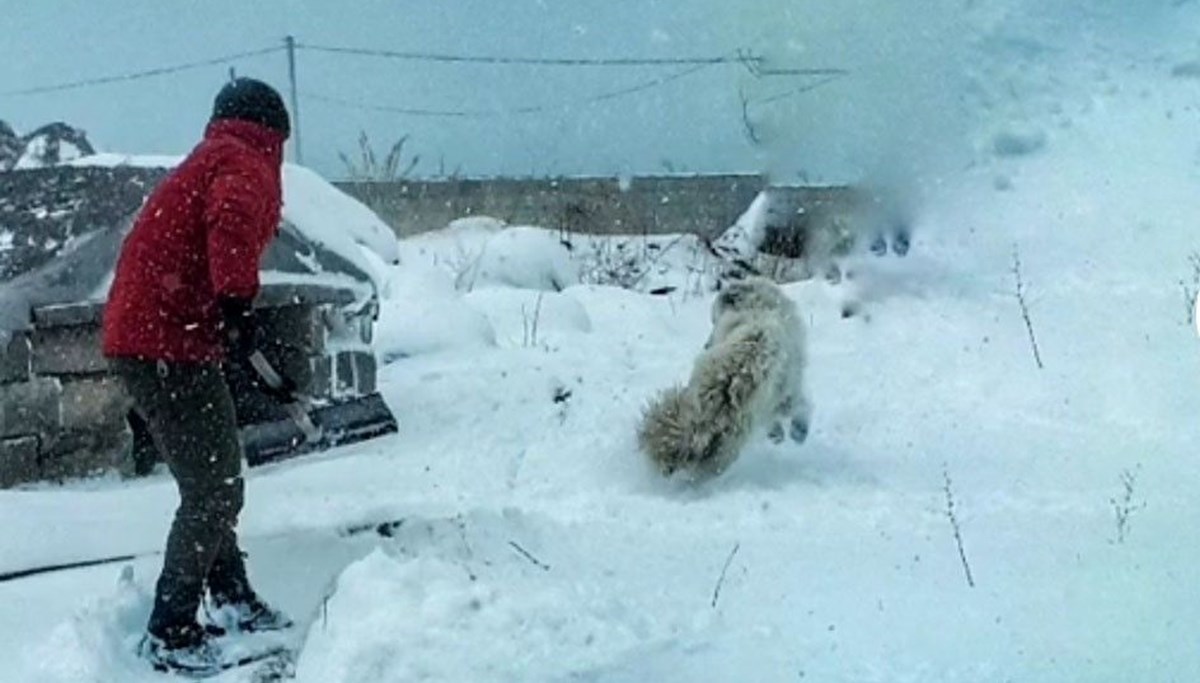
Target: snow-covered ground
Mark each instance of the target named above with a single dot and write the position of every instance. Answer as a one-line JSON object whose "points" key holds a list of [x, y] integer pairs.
{"points": [[537, 545]]}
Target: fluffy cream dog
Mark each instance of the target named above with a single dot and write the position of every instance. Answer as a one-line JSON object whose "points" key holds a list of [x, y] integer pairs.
{"points": [[749, 377]]}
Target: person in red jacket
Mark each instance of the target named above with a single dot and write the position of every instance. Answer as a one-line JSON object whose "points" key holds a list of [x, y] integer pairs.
{"points": [[178, 308]]}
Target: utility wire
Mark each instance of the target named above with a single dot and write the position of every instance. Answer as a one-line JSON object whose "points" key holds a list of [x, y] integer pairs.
{"points": [[138, 75], [797, 91], [754, 63], [538, 61], [352, 104], [485, 113]]}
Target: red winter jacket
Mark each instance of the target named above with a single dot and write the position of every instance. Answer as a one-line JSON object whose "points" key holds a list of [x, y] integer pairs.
{"points": [[200, 236]]}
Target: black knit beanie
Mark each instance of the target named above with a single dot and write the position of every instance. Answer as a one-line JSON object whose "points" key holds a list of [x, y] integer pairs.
{"points": [[248, 99]]}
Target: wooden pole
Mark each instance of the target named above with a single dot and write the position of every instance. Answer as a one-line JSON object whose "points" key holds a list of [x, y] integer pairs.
{"points": [[290, 43]]}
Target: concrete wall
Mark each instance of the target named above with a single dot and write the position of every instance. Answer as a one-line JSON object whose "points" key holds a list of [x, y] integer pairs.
{"points": [[663, 204], [703, 205]]}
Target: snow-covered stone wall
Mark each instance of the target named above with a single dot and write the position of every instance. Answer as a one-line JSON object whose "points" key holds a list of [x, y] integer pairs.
{"points": [[63, 415]]}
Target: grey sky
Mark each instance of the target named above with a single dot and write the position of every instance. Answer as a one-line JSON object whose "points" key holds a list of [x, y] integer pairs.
{"points": [[906, 88], [691, 122]]}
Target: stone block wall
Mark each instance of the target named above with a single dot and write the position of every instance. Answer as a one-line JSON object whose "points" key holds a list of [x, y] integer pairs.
{"points": [[62, 414]]}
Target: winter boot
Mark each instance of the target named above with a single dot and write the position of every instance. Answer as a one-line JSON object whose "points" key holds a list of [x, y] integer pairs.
{"points": [[247, 615], [186, 650]]}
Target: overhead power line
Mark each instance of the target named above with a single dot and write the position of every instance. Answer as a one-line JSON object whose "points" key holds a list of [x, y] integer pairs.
{"points": [[533, 109], [797, 91], [533, 61], [409, 111], [756, 64], [138, 75]]}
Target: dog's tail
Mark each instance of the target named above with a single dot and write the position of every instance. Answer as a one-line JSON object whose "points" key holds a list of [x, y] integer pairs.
{"points": [[701, 429], [665, 433]]}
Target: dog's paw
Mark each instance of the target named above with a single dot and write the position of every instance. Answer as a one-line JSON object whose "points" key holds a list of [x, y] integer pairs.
{"points": [[798, 430], [775, 434]]}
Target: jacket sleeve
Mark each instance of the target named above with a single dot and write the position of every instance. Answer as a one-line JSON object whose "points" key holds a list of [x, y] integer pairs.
{"points": [[241, 216]]}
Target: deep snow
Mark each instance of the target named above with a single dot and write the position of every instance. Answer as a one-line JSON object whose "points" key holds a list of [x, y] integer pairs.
{"points": [[537, 545]]}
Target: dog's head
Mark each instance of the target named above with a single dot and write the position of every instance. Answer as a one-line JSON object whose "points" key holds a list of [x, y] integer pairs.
{"points": [[750, 294]]}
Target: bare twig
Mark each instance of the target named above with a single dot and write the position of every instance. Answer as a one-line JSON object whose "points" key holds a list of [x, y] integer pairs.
{"points": [[721, 580], [651, 262], [466, 267], [537, 316], [1124, 506], [461, 525], [1191, 288], [962, 554], [1037, 356], [525, 553], [368, 168], [747, 124], [529, 325]]}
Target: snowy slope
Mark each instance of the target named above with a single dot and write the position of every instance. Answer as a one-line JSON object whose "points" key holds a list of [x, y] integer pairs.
{"points": [[537, 545]]}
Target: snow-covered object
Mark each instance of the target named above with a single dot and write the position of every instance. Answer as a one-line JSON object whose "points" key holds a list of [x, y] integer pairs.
{"points": [[744, 237], [61, 229], [53, 144], [113, 160], [10, 147], [335, 220], [426, 315], [525, 257], [325, 216]]}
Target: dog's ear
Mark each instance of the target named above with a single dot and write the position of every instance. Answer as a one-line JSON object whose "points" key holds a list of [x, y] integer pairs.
{"points": [[731, 296]]}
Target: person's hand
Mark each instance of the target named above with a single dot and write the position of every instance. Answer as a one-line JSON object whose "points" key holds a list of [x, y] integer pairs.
{"points": [[237, 319]]}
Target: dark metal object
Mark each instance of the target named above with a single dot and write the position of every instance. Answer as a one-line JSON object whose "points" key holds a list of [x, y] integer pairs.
{"points": [[363, 418]]}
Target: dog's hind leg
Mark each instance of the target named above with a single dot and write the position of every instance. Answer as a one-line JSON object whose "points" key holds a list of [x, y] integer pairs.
{"points": [[795, 411]]}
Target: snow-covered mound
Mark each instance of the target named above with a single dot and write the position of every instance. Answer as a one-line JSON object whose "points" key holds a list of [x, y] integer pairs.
{"points": [[101, 637], [513, 617], [521, 256], [425, 314], [531, 318], [481, 251], [546, 258]]}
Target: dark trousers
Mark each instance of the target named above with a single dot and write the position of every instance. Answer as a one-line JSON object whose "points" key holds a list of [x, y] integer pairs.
{"points": [[189, 413]]}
